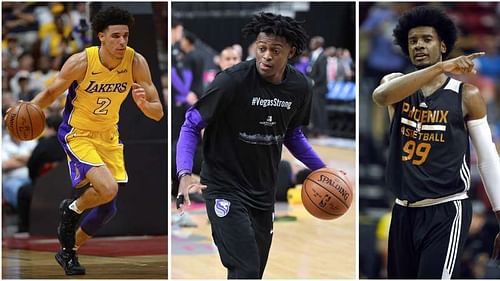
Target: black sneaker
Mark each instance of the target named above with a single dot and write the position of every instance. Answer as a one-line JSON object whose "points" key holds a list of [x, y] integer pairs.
{"points": [[67, 225], [69, 262]]}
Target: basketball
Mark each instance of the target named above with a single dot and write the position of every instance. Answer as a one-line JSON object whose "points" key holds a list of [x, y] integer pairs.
{"points": [[327, 193], [26, 121]]}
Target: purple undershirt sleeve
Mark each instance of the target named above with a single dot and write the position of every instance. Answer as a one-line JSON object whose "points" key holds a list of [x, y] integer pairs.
{"points": [[188, 140], [297, 144]]}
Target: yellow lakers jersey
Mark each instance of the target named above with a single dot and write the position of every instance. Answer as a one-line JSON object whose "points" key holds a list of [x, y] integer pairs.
{"points": [[94, 103]]}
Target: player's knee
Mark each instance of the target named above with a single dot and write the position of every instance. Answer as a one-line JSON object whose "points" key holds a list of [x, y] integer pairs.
{"points": [[109, 191]]}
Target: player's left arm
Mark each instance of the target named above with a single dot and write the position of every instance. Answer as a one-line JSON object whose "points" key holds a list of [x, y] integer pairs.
{"points": [[300, 148], [488, 160], [295, 140], [144, 91]]}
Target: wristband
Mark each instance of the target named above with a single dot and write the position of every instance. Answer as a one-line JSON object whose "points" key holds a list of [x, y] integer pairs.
{"points": [[183, 173], [179, 201]]}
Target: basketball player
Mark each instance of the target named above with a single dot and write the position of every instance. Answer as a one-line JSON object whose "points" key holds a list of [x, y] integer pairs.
{"points": [[98, 81], [432, 116], [249, 111]]}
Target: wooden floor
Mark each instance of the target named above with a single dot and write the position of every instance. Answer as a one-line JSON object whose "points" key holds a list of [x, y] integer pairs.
{"points": [[27, 264], [307, 248]]}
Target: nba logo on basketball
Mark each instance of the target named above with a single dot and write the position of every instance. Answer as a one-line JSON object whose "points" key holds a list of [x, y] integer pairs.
{"points": [[327, 193], [221, 207]]}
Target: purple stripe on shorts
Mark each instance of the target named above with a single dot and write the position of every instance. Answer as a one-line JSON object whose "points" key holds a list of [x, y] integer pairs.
{"points": [[77, 169]]}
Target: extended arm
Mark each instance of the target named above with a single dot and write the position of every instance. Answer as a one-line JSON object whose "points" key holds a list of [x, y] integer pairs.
{"points": [[297, 144], [144, 91], [402, 86], [73, 70]]}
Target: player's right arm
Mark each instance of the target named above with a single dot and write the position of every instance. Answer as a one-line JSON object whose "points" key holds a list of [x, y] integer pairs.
{"points": [[186, 146], [210, 107], [400, 87], [73, 69]]}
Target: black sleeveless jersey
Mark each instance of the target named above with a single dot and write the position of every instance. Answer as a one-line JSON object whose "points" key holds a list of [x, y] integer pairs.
{"points": [[429, 145]]}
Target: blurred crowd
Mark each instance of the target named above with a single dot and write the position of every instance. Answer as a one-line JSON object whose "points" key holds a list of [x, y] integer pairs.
{"points": [[478, 24], [37, 38]]}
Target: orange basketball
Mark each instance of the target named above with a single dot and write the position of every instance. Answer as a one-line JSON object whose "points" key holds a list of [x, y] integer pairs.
{"points": [[327, 193], [25, 121]]}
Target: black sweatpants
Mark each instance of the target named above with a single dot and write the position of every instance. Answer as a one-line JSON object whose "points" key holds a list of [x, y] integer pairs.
{"points": [[427, 242], [243, 237]]}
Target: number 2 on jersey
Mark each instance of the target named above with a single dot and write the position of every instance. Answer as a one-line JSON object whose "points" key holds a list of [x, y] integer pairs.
{"points": [[420, 151], [103, 105]]}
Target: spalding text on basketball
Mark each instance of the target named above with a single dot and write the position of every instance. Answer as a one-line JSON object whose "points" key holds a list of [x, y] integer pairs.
{"points": [[336, 185]]}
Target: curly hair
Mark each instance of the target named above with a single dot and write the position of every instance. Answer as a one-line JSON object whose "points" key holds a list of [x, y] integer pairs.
{"points": [[111, 16], [425, 16], [278, 25]]}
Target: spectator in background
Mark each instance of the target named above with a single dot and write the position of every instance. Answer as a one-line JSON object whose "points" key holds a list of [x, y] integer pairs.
{"points": [[251, 51], [383, 57], [11, 51], [44, 75], [331, 63], [19, 19], [46, 155], [479, 243], [15, 155], [229, 57], [26, 64], [26, 90], [345, 66], [317, 72], [179, 89], [56, 37], [194, 65], [302, 62], [78, 19], [239, 50]]}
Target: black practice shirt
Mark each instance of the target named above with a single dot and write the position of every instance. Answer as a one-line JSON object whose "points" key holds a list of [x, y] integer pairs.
{"points": [[247, 119]]}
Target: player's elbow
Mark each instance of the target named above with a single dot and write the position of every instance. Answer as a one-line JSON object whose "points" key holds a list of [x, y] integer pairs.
{"points": [[158, 116], [380, 97]]}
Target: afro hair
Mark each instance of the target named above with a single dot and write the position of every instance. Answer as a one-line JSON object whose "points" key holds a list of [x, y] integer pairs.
{"points": [[278, 25], [425, 16]]}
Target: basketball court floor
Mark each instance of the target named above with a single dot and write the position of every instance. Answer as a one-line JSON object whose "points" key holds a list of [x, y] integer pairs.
{"points": [[132, 257], [303, 247]]}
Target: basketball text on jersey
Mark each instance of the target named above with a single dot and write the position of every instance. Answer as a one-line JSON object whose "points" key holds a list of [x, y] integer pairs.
{"points": [[258, 101], [421, 125], [106, 87]]}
